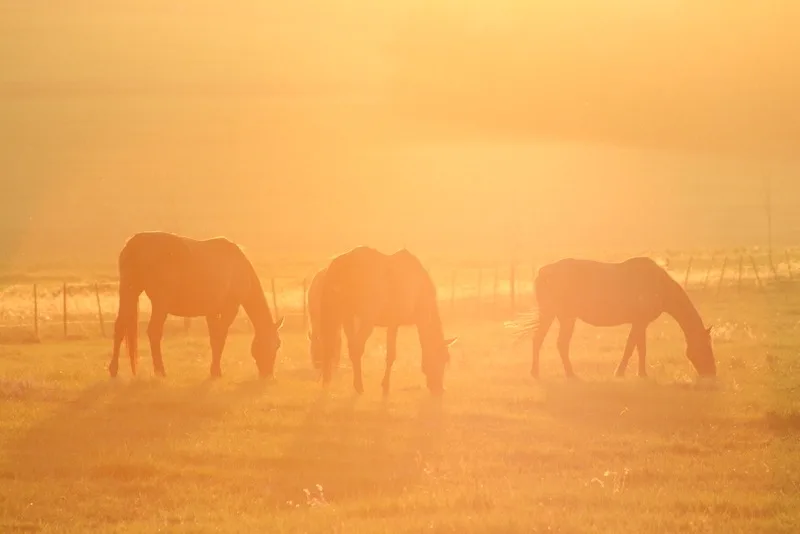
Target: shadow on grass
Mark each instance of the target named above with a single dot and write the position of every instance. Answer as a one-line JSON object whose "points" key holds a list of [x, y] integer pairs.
{"points": [[110, 418], [781, 424], [354, 448], [642, 405]]}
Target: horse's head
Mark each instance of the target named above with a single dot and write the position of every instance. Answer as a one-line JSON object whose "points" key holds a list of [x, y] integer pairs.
{"points": [[264, 348], [434, 360], [701, 354]]}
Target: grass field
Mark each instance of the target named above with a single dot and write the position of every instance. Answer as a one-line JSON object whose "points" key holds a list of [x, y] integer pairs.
{"points": [[499, 452]]}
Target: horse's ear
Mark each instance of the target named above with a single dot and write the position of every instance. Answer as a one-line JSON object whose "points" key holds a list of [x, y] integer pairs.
{"points": [[449, 342], [279, 323]]}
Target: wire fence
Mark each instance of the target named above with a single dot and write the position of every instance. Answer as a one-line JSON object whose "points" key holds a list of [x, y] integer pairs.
{"points": [[78, 310]]}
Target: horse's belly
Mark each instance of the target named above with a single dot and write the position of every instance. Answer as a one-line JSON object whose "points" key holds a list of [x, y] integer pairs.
{"points": [[188, 302]]}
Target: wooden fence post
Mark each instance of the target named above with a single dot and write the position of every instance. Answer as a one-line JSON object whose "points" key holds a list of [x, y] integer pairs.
{"points": [[708, 272], [688, 270], [480, 290], [722, 273], [512, 281], [741, 266], [453, 290], [64, 292], [496, 283], [305, 304], [99, 310], [773, 269], [35, 312], [755, 270]]}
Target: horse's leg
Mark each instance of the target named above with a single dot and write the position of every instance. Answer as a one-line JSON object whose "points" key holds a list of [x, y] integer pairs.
{"points": [[214, 323], [125, 327], [565, 328], [391, 355], [356, 340], [626, 356], [218, 326], [641, 343], [543, 326], [155, 330]]}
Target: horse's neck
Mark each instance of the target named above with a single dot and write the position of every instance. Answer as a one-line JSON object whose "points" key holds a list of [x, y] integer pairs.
{"points": [[680, 307], [257, 309], [430, 328]]}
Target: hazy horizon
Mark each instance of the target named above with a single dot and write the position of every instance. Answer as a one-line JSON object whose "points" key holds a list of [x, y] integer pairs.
{"points": [[304, 129]]}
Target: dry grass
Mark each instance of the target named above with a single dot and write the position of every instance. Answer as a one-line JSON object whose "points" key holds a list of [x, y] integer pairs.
{"points": [[499, 453]]}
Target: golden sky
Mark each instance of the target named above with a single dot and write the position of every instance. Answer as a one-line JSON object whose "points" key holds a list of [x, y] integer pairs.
{"points": [[307, 127]]}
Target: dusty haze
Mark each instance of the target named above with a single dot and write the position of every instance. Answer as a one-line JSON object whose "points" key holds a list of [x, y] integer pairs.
{"points": [[471, 129]]}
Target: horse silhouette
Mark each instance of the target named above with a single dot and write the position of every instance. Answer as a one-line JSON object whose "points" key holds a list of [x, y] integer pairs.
{"points": [[186, 277], [636, 292], [364, 288]]}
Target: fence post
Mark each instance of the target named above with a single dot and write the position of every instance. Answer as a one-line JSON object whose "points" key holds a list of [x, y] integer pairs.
{"points": [[274, 296], [788, 264], [688, 270], [480, 289], [305, 304], [512, 282], [722, 273], [741, 266], [35, 312], [708, 272], [99, 310], [64, 292], [496, 283], [755, 270], [453, 290]]}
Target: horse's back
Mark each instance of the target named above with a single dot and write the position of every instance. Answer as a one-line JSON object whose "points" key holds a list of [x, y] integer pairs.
{"points": [[385, 287], [600, 292], [191, 276]]}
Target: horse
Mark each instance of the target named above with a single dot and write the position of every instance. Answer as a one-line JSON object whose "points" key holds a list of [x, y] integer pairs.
{"points": [[635, 291], [313, 304], [364, 288], [187, 277]]}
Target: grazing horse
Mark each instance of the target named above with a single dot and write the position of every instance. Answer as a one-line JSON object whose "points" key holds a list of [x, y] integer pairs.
{"points": [[365, 288], [635, 292], [189, 278]]}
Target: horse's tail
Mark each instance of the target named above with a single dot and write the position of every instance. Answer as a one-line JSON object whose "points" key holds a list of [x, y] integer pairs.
{"points": [[330, 324], [127, 324], [313, 305], [526, 323]]}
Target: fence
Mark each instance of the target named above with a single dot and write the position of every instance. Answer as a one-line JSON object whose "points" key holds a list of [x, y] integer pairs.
{"points": [[80, 310]]}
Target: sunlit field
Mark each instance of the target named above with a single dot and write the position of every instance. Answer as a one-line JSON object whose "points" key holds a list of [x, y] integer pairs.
{"points": [[499, 452], [489, 138]]}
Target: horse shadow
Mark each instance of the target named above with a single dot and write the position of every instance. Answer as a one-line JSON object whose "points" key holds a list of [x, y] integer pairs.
{"points": [[111, 429], [348, 447], [642, 405]]}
